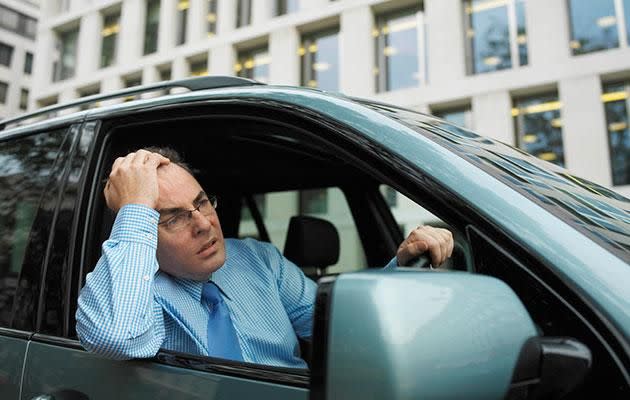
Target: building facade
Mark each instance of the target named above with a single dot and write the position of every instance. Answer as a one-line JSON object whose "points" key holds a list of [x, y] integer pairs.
{"points": [[550, 77], [18, 29]]}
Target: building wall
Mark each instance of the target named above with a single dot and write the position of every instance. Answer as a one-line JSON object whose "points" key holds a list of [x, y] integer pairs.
{"points": [[14, 74], [551, 67]]}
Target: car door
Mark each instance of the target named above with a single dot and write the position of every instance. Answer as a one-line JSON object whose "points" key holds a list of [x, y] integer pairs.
{"points": [[57, 366], [29, 166]]}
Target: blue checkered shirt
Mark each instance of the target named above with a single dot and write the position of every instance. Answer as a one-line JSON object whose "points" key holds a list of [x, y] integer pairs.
{"points": [[130, 309]]}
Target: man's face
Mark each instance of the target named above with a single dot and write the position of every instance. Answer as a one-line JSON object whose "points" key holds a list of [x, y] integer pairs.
{"points": [[197, 250]]}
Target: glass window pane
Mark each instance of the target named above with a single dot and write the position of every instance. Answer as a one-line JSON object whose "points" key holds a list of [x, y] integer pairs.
{"points": [[261, 204], [488, 35], [539, 127], [521, 32], [25, 166], [320, 60], [593, 25], [211, 17], [68, 54], [151, 26], [313, 201], [6, 54], [4, 88], [287, 6], [182, 20], [110, 37], [616, 106], [626, 13], [253, 64], [243, 13], [199, 68], [28, 63], [23, 99], [397, 51]]}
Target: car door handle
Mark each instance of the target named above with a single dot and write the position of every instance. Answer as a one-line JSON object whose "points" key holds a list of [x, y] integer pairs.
{"points": [[64, 394]]}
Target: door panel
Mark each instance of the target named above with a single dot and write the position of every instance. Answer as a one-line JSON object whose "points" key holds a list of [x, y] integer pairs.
{"points": [[12, 352], [51, 369]]}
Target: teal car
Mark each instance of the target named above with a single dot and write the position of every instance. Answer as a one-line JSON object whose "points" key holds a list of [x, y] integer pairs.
{"points": [[534, 303]]}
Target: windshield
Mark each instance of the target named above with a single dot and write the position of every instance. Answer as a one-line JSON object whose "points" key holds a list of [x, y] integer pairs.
{"points": [[594, 210]]}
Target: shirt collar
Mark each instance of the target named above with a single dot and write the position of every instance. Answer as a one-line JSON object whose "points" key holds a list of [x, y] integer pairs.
{"points": [[194, 288]]}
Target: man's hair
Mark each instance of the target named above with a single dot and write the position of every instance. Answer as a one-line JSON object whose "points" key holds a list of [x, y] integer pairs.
{"points": [[172, 155]]}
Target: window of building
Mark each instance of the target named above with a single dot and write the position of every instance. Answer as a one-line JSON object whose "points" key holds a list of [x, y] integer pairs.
{"points": [[243, 13], [595, 25], [4, 88], [28, 63], [616, 105], [65, 66], [182, 20], [25, 167], [23, 99], [6, 54], [165, 73], [198, 67], [211, 17], [253, 64], [399, 47], [151, 27], [17, 22], [319, 54], [131, 81], [286, 6], [89, 91], [313, 201], [539, 126], [460, 116], [109, 35], [496, 35]]}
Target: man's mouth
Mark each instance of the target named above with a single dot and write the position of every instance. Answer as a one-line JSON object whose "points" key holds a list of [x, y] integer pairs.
{"points": [[208, 248]]}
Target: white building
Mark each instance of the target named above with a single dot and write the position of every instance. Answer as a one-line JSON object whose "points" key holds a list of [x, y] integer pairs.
{"points": [[548, 76], [18, 27]]}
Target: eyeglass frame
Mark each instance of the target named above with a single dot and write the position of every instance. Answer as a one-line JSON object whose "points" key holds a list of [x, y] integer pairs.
{"points": [[201, 197]]}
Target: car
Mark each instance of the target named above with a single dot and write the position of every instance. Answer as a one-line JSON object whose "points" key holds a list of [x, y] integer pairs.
{"points": [[533, 304]]}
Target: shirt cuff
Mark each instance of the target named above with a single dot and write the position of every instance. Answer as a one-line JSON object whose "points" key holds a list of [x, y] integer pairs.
{"points": [[136, 223], [392, 264]]}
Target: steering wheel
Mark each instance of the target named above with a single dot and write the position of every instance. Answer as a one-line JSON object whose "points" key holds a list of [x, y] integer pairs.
{"points": [[422, 261]]}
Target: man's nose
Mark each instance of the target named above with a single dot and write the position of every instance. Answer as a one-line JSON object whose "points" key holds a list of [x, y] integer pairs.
{"points": [[200, 222]]}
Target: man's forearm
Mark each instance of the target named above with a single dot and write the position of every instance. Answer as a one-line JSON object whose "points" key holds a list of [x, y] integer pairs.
{"points": [[117, 314]]}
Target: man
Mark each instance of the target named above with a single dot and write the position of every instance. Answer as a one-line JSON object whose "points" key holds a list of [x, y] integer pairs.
{"points": [[168, 279]]}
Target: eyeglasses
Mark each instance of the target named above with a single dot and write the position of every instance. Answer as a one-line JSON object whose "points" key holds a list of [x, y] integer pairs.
{"points": [[182, 219]]}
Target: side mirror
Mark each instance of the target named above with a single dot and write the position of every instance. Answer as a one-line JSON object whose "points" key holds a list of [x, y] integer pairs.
{"points": [[426, 334]]}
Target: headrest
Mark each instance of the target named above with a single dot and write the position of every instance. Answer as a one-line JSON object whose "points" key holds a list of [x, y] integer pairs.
{"points": [[312, 242]]}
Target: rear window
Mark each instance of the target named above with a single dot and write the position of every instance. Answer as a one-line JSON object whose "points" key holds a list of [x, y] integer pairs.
{"points": [[600, 213]]}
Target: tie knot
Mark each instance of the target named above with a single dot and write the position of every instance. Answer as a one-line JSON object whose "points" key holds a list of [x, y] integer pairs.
{"points": [[211, 293]]}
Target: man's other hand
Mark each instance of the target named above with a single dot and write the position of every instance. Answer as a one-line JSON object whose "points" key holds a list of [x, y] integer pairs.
{"points": [[438, 242], [133, 180]]}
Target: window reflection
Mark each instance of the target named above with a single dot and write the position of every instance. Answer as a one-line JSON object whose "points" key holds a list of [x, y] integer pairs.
{"points": [[287, 6], [397, 48], [593, 25], [253, 64], [539, 127], [198, 67], [25, 166], [615, 100], [460, 116], [211, 17], [319, 54], [493, 41], [243, 13]]}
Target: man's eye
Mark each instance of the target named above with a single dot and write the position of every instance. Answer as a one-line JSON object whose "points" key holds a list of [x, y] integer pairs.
{"points": [[177, 219]]}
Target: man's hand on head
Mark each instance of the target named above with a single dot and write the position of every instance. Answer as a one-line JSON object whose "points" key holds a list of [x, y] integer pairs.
{"points": [[134, 180], [437, 241]]}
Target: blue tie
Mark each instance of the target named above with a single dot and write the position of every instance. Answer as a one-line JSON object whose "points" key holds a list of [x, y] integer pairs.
{"points": [[222, 340]]}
